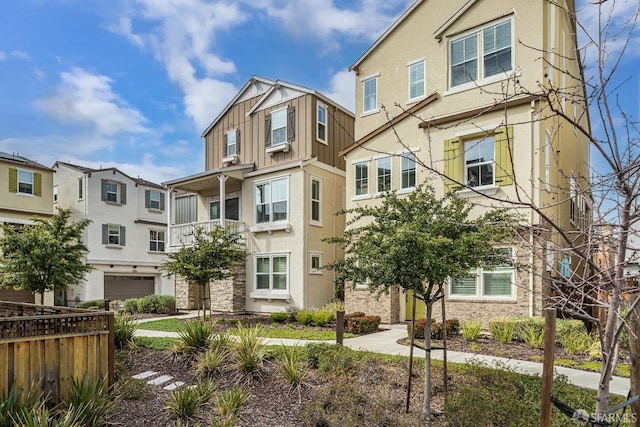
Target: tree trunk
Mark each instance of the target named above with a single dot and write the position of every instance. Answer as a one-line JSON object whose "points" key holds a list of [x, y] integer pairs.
{"points": [[427, 361], [444, 349], [42, 298], [411, 339]]}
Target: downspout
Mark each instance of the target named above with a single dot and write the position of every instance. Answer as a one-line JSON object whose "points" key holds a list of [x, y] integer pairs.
{"points": [[305, 276]]}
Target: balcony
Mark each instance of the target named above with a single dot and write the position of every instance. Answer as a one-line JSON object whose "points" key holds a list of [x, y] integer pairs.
{"points": [[182, 234]]}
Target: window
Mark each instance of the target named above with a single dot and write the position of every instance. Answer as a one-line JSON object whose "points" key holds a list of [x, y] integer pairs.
{"points": [[80, 192], [25, 182], [113, 235], [494, 282], [272, 272], [154, 199], [407, 171], [114, 192], [370, 95], [231, 209], [316, 191], [55, 193], [362, 179], [279, 127], [230, 148], [156, 241], [573, 199], [478, 161], [321, 131], [315, 263], [416, 80], [483, 53], [384, 174], [272, 201]]}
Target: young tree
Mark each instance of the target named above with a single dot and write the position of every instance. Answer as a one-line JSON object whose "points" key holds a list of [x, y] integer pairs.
{"points": [[418, 242], [47, 255], [212, 256]]}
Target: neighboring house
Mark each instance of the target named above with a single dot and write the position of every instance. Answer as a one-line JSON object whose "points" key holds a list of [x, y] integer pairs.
{"points": [[127, 234], [632, 268], [26, 191], [438, 87], [272, 171]]}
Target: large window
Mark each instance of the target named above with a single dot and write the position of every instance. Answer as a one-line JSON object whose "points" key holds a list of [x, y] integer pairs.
{"points": [[407, 171], [321, 131], [478, 161], [316, 191], [156, 241], [384, 174], [113, 235], [494, 282], [272, 272], [416, 80], [485, 53], [25, 182], [361, 178], [370, 95], [272, 200]]}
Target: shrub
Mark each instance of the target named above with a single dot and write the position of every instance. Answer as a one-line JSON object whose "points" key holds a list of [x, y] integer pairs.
{"points": [[184, 402], [290, 368], [362, 325], [130, 305], [196, 336], [333, 306], [293, 311], [229, 403], [279, 317], [124, 328], [16, 403], [148, 304], [471, 330], [248, 352], [89, 401], [304, 317], [453, 328], [321, 318], [532, 335], [504, 332], [418, 328], [212, 360], [576, 341], [97, 303], [166, 304]]}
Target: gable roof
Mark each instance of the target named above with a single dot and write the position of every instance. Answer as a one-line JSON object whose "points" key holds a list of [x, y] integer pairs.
{"points": [[86, 170], [18, 159]]}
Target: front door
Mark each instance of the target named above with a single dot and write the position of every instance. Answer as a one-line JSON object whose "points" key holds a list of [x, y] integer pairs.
{"points": [[421, 308]]}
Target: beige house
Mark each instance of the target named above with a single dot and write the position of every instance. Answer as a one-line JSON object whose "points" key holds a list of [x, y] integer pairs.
{"points": [[439, 99], [26, 191], [273, 171]]}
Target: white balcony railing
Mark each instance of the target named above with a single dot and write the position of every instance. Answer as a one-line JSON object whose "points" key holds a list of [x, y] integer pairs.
{"points": [[182, 234]]}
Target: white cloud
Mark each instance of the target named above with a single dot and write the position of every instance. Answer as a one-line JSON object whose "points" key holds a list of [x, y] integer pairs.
{"points": [[3, 55], [342, 89], [124, 28], [18, 54], [87, 99]]}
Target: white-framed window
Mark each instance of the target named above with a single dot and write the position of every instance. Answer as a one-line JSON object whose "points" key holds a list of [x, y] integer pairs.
{"points": [[231, 146], [231, 209], [361, 171], [316, 197], [154, 199], [370, 94], [55, 193], [114, 192], [383, 173], [315, 263], [416, 80], [479, 161], [272, 200], [494, 282], [25, 182], [321, 126], [272, 272], [279, 127], [156, 240], [113, 235], [407, 171], [484, 53]]}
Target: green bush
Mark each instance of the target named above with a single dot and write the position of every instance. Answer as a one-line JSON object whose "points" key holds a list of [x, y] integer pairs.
{"points": [[576, 341], [321, 318], [195, 337], [124, 328], [362, 325], [453, 328], [532, 335], [471, 330], [185, 402], [99, 303], [304, 317], [504, 332], [279, 317], [289, 367], [16, 403], [148, 304], [166, 304], [130, 305], [248, 352], [89, 401]]}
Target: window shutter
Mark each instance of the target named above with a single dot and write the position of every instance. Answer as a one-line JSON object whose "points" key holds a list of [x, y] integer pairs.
{"points": [[224, 145], [147, 199], [122, 235], [103, 186], [162, 201], [13, 180], [238, 141], [267, 130], [123, 194], [451, 163], [105, 234], [504, 151], [291, 124], [37, 184]]}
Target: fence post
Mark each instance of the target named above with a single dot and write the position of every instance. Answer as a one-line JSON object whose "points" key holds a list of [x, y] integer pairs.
{"points": [[339, 326], [112, 377], [106, 304], [547, 367]]}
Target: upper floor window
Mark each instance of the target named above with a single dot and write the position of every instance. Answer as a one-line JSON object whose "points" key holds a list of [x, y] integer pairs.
{"points": [[156, 241], [316, 188], [231, 143], [486, 52], [361, 178], [114, 192], [370, 95], [321, 131], [55, 193], [272, 201], [407, 171], [478, 161], [80, 188], [384, 174], [154, 199], [113, 234], [416, 80], [231, 209], [25, 182], [280, 126]]}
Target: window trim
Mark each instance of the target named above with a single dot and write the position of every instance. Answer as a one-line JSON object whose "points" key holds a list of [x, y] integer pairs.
{"points": [[271, 290], [312, 221], [312, 270], [355, 181], [489, 138], [480, 285], [120, 243], [411, 99], [32, 183], [407, 157], [284, 110], [151, 200], [233, 132], [270, 203], [164, 241], [364, 95], [319, 123]]}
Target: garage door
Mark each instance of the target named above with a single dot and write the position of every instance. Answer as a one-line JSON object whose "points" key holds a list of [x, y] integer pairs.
{"points": [[17, 296], [124, 287]]}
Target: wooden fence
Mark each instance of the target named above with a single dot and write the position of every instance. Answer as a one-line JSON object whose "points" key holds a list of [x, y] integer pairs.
{"points": [[45, 347]]}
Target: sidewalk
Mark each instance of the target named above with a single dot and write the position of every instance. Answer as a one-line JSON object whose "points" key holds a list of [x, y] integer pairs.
{"points": [[386, 342]]}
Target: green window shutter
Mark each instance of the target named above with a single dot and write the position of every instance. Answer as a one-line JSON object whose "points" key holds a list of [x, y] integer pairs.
{"points": [[452, 163], [105, 234], [123, 194], [37, 184], [122, 235], [504, 152], [147, 199], [267, 130], [103, 188], [291, 124], [13, 180], [162, 201]]}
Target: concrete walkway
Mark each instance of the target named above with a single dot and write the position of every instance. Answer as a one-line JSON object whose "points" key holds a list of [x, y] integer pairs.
{"points": [[386, 342]]}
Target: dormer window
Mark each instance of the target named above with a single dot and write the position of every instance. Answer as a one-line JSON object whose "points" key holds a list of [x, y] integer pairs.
{"points": [[279, 128]]}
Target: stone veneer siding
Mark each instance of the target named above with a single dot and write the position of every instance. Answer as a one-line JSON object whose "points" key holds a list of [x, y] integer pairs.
{"points": [[186, 295], [229, 295], [387, 306]]}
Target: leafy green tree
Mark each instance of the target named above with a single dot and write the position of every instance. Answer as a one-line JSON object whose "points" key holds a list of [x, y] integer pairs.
{"points": [[46, 255], [212, 256], [418, 242]]}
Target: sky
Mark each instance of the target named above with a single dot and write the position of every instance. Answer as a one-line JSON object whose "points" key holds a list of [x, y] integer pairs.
{"points": [[133, 83]]}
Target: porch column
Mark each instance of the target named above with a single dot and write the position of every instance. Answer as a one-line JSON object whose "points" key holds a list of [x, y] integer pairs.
{"points": [[168, 205], [223, 213]]}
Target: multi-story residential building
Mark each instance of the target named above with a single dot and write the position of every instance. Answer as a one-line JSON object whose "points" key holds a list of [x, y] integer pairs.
{"points": [[26, 191], [127, 234], [273, 171], [440, 97]]}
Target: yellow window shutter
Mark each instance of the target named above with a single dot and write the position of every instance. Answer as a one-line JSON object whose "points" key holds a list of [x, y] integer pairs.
{"points": [[13, 180], [504, 152], [37, 184], [452, 163]]}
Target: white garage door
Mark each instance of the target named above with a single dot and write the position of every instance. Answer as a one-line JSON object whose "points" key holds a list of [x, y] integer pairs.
{"points": [[124, 287]]}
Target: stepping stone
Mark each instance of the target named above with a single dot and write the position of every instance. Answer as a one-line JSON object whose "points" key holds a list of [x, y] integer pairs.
{"points": [[144, 375], [173, 386], [160, 380]]}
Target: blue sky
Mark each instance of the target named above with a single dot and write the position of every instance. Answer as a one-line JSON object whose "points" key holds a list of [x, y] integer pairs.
{"points": [[132, 83]]}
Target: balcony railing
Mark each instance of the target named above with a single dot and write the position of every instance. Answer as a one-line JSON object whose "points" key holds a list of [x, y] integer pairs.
{"points": [[182, 234]]}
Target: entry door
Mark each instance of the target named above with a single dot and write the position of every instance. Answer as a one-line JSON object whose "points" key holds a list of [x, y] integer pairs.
{"points": [[231, 209], [421, 308]]}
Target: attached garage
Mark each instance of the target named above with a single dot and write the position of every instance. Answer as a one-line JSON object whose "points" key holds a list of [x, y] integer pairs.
{"points": [[125, 287], [17, 296]]}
